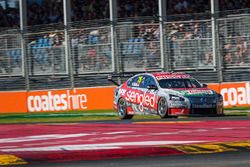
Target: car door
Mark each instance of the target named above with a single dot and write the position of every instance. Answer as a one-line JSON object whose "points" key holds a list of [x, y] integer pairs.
{"points": [[135, 93], [150, 95]]}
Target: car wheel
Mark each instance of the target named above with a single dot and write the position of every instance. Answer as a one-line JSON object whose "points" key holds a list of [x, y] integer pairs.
{"points": [[122, 110], [220, 111], [162, 108]]}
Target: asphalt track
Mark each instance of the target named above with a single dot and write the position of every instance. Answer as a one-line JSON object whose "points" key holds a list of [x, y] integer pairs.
{"points": [[226, 159], [110, 142]]}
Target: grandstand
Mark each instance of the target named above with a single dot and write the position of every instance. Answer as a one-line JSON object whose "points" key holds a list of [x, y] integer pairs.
{"points": [[187, 36]]}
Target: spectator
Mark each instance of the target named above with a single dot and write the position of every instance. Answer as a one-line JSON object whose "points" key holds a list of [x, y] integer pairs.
{"points": [[3, 20], [208, 59], [153, 55], [241, 49], [91, 56], [235, 51], [3, 64]]}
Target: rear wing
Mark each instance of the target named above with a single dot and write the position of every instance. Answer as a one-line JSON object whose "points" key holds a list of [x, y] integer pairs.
{"points": [[110, 78], [116, 78]]}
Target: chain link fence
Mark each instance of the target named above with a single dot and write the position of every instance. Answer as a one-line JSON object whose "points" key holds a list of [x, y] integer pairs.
{"points": [[188, 47], [91, 48], [234, 46], [10, 53], [139, 46]]}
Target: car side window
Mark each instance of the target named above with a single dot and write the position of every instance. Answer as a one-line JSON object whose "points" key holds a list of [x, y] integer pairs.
{"points": [[143, 82], [149, 81], [189, 84], [129, 82], [137, 81], [194, 84]]}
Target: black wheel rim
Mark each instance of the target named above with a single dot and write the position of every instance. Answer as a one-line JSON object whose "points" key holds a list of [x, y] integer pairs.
{"points": [[122, 108]]}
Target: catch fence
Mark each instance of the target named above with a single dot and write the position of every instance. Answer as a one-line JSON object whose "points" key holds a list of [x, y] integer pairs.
{"points": [[88, 57]]}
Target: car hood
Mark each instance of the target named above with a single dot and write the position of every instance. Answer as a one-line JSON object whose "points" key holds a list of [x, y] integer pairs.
{"points": [[196, 92]]}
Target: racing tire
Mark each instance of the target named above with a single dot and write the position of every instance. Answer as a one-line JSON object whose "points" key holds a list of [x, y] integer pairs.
{"points": [[122, 110], [162, 109], [220, 112]]}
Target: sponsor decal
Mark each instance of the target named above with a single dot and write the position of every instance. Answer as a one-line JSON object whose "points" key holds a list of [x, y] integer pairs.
{"points": [[142, 98], [178, 76], [122, 91], [196, 92], [191, 92], [179, 111], [57, 102], [236, 95]]}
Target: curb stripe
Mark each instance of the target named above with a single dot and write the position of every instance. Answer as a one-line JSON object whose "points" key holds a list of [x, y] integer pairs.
{"points": [[203, 149], [212, 147], [11, 160]]}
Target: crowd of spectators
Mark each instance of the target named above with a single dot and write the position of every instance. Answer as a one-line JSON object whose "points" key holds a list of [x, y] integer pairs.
{"points": [[89, 9], [187, 6], [9, 17], [133, 8], [235, 51], [149, 32], [51, 11], [233, 5]]}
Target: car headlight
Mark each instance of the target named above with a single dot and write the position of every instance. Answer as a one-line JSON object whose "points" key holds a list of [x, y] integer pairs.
{"points": [[176, 98]]}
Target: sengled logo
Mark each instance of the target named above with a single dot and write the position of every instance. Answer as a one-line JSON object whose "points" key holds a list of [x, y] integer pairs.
{"points": [[57, 102], [236, 96], [142, 99]]}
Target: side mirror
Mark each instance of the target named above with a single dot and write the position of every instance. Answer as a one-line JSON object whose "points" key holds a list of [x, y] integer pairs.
{"points": [[152, 87], [204, 85]]}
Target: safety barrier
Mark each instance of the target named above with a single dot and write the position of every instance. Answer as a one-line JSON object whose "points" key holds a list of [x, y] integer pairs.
{"points": [[236, 94], [57, 100]]}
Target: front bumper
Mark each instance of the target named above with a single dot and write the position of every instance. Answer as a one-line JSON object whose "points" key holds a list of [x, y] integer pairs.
{"points": [[198, 109]]}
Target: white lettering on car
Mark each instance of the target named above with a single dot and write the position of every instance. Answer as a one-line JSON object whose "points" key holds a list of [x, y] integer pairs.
{"points": [[142, 99]]}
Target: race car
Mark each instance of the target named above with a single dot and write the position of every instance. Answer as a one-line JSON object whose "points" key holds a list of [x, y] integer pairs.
{"points": [[165, 94]]}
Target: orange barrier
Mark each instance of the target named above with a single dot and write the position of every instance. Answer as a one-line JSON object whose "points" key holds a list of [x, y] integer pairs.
{"points": [[13, 102], [76, 99], [235, 94], [100, 98]]}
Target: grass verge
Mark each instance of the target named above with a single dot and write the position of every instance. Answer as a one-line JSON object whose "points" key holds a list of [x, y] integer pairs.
{"points": [[69, 116], [80, 116], [238, 108]]}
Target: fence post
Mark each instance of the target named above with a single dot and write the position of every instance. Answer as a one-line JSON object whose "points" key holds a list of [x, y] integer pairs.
{"points": [[216, 56], [68, 56], [162, 17], [23, 23], [113, 19]]}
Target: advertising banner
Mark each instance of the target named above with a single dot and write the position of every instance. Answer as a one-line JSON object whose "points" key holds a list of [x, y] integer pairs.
{"points": [[235, 94], [13, 102], [76, 99]]}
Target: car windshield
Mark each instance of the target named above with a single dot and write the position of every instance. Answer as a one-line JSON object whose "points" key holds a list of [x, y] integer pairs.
{"points": [[179, 83]]}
